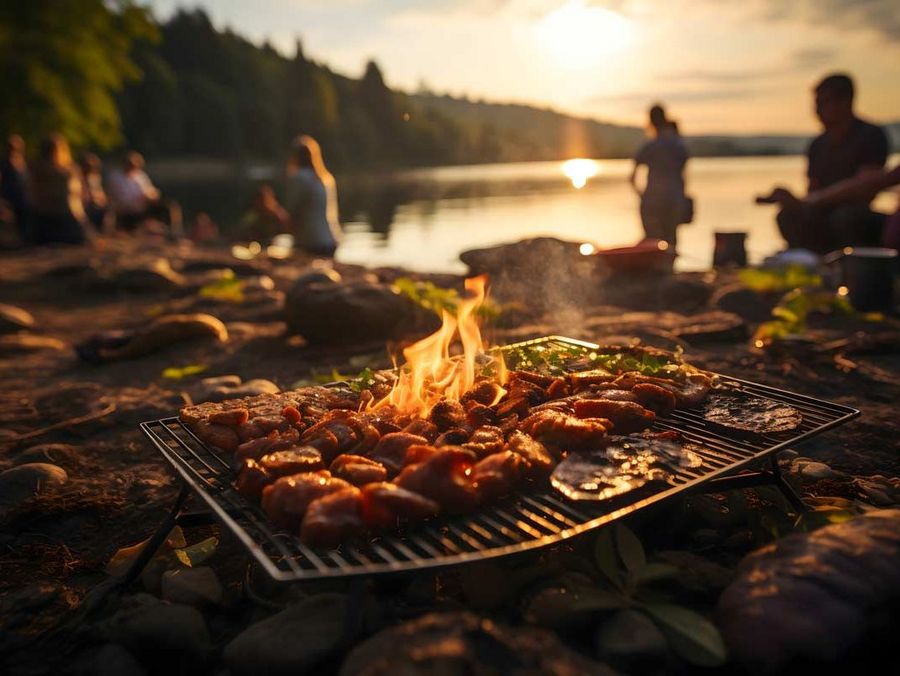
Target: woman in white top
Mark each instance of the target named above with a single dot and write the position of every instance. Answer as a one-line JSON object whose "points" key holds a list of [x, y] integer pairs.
{"points": [[311, 199]]}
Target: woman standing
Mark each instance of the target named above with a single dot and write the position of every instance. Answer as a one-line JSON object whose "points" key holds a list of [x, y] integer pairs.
{"points": [[663, 202], [56, 194], [311, 199]]}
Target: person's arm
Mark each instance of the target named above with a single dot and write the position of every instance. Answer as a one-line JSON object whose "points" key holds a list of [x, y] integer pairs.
{"points": [[868, 182]]}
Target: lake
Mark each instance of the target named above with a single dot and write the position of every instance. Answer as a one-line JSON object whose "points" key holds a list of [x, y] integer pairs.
{"points": [[423, 218]]}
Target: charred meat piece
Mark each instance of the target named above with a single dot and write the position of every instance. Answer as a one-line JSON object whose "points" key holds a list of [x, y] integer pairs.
{"points": [[479, 414], [658, 399], [252, 479], [626, 416], [614, 395], [455, 436], [497, 474], [538, 460], [285, 501], [444, 478], [521, 387], [367, 438], [517, 404], [220, 436], [333, 518], [584, 379], [566, 431], [484, 392], [751, 414], [357, 470], [385, 504], [542, 381], [390, 451], [485, 441], [292, 461], [422, 428], [446, 414], [419, 453], [559, 388], [230, 417], [324, 441]]}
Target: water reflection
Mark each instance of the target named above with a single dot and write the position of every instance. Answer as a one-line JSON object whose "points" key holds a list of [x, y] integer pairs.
{"points": [[579, 171]]}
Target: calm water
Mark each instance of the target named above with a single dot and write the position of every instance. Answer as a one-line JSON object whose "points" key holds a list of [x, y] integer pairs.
{"points": [[422, 219]]}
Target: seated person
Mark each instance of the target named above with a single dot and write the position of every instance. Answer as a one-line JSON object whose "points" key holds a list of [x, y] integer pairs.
{"points": [[134, 199], [848, 148], [93, 196], [265, 219]]}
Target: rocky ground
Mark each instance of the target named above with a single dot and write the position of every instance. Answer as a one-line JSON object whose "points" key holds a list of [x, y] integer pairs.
{"points": [[713, 581]]}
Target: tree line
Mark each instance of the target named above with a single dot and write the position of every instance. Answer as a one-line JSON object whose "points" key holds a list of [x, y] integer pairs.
{"points": [[109, 76]]}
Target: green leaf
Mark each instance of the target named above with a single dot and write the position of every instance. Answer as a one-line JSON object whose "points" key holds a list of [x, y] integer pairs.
{"points": [[690, 635], [630, 549], [197, 553], [587, 600], [177, 373], [651, 572], [605, 558]]}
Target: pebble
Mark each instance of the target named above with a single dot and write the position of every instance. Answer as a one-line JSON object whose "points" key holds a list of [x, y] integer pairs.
{"points": [[292, 641], [53, 453], [22, 482], [880, 490], [18, 343], [810, 470], [231, 387], [192, 586], [814, 598], [14, 319]]}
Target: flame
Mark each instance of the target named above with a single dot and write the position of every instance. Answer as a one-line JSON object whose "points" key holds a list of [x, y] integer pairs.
{"points": [[431, 373]]}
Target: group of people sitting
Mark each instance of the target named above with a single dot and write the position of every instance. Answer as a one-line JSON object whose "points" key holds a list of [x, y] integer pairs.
{"points": [[53, 199], [845, 171]]}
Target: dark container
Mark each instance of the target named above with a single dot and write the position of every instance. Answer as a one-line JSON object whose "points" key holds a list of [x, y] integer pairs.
{"points": [[730, 250], [868, 274]]}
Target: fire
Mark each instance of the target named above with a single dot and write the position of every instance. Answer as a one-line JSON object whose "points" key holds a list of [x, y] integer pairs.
{"points": [[431, 373]]}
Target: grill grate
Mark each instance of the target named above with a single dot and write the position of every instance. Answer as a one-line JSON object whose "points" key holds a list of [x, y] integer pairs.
{"points": [[528, 521]]}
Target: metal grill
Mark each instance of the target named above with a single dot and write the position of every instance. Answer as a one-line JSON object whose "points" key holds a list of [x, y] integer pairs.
{"points": [[533, 519]]}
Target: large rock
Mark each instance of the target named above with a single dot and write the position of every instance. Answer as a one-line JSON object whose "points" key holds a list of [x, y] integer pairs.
{"points": [[13, 319], [463, 643], [22, 482], [192, 586], [161, 633], [292, 641], [357, 312], [111, 660], [753, 306], [817, 598], [161, 333]]}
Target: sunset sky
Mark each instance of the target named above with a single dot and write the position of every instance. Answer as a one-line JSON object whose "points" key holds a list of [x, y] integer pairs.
{"points": [[731, 66]]}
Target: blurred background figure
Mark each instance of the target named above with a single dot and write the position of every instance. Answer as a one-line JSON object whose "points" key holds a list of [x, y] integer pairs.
{"points": [[663, 202], [55, 194], [311, 199], [134, 198], [14, 181], [265, 219], [848, 147], [93, 195], [203, 229]]}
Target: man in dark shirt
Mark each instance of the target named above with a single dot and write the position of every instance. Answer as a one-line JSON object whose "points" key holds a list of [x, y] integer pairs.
{"points": [[848, 147]]}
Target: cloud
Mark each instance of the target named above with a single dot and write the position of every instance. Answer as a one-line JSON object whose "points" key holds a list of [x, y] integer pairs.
{"points": [[647, 97], [879, 16], [813, 57], [719, 77]]}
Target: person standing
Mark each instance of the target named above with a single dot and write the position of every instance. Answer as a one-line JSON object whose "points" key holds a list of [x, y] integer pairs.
{"points": [[663, 202], [55, 195], [848, 147], [14, 182], [311, 199]]}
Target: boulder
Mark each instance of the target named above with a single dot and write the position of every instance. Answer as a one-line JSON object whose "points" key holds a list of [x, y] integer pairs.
{"points": [[293, 641], [22, 482], [752, 306], [112, 660], [463, 643], [161, 333], [817, 598], [192, 586], [14, 319], [160, 633], [330, 313]]}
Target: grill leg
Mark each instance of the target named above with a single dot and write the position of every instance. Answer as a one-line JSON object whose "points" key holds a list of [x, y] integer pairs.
{"points": [[786, 489], [156, 540]]}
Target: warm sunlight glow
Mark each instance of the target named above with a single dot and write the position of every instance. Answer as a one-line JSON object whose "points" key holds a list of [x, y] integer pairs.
{"points": [[579, 35], [579, 171]]}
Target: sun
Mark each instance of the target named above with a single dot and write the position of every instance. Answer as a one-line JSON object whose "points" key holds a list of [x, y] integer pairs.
{"points": [[579, 36]]}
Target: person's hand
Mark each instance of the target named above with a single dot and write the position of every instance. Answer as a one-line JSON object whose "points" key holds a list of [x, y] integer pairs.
{"points": [[780, 196]]}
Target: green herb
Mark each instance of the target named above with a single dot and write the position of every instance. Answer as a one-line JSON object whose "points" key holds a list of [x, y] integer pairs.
{"points": [[177, 373], [229, 289], [781, 279], [438, 299]]}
